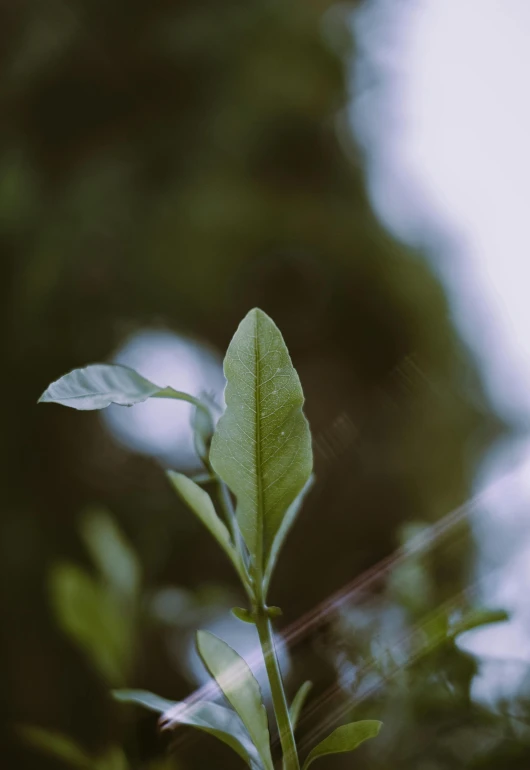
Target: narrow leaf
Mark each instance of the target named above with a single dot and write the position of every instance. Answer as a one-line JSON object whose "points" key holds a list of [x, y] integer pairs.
{"points": [[199, 501], [56, 745], [345, 738], [261, 447], [297, 706], [99, 385], [285, 527], [143, 698], [240, 687], [298, 703], [477, 619]]}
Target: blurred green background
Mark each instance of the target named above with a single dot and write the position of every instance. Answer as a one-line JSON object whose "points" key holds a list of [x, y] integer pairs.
{"points": [[168, 165]]}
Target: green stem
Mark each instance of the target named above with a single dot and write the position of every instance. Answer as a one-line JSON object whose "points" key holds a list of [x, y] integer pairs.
{"points": [[279, 701], [178, 395]]}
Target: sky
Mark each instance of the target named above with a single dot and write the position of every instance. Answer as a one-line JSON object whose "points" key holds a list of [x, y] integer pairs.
{"points": [[456, 161], [446, 135]]}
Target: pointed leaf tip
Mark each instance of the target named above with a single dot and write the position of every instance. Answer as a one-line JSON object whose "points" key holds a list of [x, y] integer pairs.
{"points": [[298, 703], [99, 385]]}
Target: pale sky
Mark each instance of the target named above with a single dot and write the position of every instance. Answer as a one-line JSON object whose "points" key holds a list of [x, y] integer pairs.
{"points": [[446, 131]]}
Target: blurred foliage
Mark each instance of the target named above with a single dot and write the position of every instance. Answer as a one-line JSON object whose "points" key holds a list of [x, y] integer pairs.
{"points": [[104, 616], [398, 657], [100, 614], [170, 167]]}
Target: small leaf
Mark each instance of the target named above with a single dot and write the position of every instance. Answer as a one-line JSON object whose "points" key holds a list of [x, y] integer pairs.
{"points": [[217, 720], [99, 385], [343, 739], [244, 615], [57, 745], [240, 687], [274, 612], [201, 504], [285, 527], [477, 619], [298, 703], [114, 557], [297, 706], [143, 698], [261, 447]]}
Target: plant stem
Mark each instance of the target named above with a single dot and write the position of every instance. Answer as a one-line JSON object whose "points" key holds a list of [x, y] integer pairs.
{"points": [[279, 701]]}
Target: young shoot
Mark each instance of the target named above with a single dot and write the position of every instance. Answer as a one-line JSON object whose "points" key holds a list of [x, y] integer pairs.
{"points": [[260, 456]]}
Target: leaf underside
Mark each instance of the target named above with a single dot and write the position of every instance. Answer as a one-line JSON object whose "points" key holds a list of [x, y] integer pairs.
{"points": [[99, 385], [262, 445], [239, 686], [223, 723]]}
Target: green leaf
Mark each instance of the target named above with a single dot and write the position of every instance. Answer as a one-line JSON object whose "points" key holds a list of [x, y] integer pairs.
{"points": [[110, 551], [201, 504], [217, 720], [261, 447], [57, 745], [143, 698], [242, 614], [297, 706], [240, 688], [476, 619], [285, 527], [93, 619], [345, 738], [298, 703], [99, 385]]}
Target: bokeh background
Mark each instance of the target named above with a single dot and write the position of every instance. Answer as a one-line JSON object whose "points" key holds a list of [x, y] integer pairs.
{"points": [[164, 167]]}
